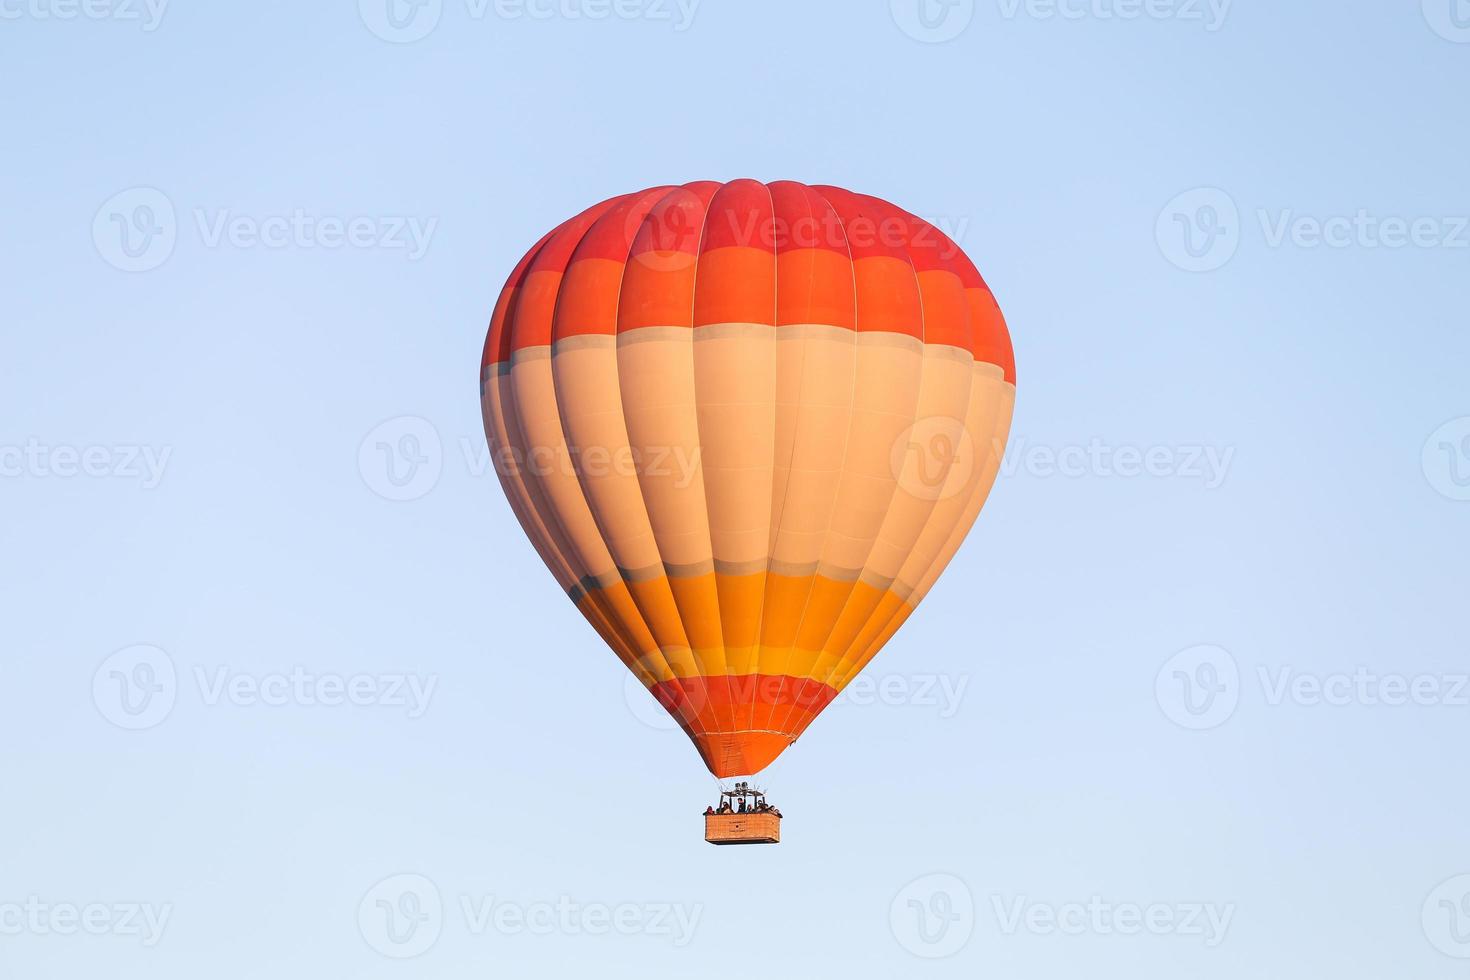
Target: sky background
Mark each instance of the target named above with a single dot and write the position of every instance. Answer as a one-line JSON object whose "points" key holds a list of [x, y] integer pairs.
{"points": [[1100, 748]]}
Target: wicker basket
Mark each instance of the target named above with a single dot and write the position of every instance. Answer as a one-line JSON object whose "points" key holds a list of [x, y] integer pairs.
{"points": [[742, 828]]}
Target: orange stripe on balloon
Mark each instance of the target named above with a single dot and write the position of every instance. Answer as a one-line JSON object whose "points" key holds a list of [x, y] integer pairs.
{"points": [[992, 339], [658, 282], [737, 261], [815, 285], [946, 309]]}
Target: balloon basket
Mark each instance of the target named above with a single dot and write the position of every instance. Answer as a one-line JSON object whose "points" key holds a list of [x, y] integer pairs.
{"points": [[744, 817], [742, 828]]}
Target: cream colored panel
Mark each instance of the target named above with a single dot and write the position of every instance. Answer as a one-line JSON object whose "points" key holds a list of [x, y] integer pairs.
{"points": [[816, 373], [735, 382], [656, 380], [885, 395], [494, 407], [547, 465], [591, 414], [925, 457]]}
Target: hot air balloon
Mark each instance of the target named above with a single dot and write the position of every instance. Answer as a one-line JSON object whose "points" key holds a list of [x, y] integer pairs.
{"points": [[746, 426]]}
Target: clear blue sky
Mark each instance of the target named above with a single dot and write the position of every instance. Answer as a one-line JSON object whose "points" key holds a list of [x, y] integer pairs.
{"points": [[1188, 703]]}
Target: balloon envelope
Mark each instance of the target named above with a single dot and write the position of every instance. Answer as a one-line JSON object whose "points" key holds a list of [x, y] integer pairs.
{"points": [[746, 426]]}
